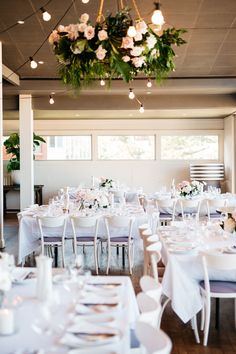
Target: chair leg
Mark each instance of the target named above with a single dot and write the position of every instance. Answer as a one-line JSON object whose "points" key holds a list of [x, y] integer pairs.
{"points": [[202, 317], [194, 325], [123, 256], [207, 322], [108, 259], [117, 250], [235, 312], [217, 318], [56, 256], [63, 256], [83, 249], [95, 257], [130, 259]]}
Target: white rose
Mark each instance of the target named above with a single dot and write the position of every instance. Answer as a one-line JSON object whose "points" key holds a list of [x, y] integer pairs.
{"points": [[82, 27], [84, 18], [138, 61], [138, 37], [126, 58], [136, 51], [151, 41], [141, 27]]}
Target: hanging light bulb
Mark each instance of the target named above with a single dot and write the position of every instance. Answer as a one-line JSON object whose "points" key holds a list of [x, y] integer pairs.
{"points": [[157, 17], [46, 15], [102, 82], [51, 100], [131, 94], [149, 83], [33, 63], [20, 22], [85, 1], [141, 109], [131, 31]]}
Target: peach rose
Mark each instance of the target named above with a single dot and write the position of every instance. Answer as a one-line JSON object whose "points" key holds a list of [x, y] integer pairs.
{"points": [[54, 37], [89, 32], [102, 35], [127, 42], [100, 53], [136, 51], [141, 27], [126, 58]]}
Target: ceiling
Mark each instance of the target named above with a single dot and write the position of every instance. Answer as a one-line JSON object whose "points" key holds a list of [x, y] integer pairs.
{"points": [[203, 84]]}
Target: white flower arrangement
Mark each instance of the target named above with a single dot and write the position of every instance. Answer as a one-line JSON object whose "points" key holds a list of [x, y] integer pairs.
{"points": [[92, 198], [190, 189], [107, 183]]}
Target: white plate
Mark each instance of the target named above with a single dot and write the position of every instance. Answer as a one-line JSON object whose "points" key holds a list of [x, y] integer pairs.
{"points": [[95, 350], [230, 249], [89, 340], [181, 250]]}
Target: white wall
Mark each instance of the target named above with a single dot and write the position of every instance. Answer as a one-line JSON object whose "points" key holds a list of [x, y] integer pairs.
{"points": [[229, 153], [151, 175]]}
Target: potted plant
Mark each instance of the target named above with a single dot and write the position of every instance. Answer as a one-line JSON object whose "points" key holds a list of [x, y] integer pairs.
{"points": [[12, 145]]}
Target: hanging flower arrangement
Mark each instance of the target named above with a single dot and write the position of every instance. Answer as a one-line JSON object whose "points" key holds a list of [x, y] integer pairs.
{"points": [[86, 52]]}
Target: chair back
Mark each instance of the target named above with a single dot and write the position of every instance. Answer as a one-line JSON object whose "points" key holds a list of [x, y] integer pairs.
{"points": [[85, 222], [148, 283], [142, 228], [154, 251], [154, 340], [150, 308], [169, 204], [132, 198], [191, 204], [214, 204], [52, 221], [125, 223]]}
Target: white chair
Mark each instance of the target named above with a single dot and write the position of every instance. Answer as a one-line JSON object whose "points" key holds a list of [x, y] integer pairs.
{"points": [[190, 206], [166, 208], [132, 198], [124, 225], [145, 235], [150, 308], [216, 289], [91, 224], [213, 204], [46, 224], [153, 250], [155, 341]]}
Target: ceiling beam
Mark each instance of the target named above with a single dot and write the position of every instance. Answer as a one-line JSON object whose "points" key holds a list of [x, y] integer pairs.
{"points": [[10, 76]]}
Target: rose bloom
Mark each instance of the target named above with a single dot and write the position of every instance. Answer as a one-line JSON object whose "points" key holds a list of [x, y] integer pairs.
{"points": [[54, 37], [229, 225], [72, 32], [61, 28], [138, 37], [141, 27], [151, 41], [126, 58], [138, 61], [89, 32], [82, 27], [84, 18], [100, 53], [102, 35], [136, 51], [127, 42]]}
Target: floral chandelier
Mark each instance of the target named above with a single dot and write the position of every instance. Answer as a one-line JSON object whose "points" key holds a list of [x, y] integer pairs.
{"points": [[115, 47]]}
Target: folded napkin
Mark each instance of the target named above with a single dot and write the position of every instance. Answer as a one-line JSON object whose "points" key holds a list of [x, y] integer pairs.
{"points": [[20, 274], [95, 298], [89, 328]]}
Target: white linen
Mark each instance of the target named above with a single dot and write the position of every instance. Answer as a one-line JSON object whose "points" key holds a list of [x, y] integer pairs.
{"points": [[28, 234], [184, 271], [28, 340]]}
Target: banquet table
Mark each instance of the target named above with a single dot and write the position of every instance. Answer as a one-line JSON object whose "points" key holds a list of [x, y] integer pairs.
{"points": [[181, 254], [31, 332], [28, 234]]}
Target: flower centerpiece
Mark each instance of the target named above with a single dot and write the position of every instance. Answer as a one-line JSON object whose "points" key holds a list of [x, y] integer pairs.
{"points": [[105, 50], [190, 189], [107, 183], [229, 225], [89, 198]]}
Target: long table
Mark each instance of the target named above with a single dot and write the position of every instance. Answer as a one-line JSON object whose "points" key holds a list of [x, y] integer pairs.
{"points": [[29, 309], [184, 271]]}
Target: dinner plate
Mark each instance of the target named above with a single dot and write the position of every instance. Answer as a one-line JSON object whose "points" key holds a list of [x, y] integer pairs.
{"points": [[89, 339], [230, 249], [181, 249], [95, 350]]}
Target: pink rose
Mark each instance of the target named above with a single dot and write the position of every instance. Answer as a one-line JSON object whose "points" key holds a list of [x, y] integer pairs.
{"points": [[141, 27], [126, 58], [89, 32], [84, 18], [54, 37], [100, 53], [138, 61], [127, 42], [102, 35], [72, 32]]}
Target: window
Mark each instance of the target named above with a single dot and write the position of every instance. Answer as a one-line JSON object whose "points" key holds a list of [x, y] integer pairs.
{"points": [[66, 148], [190, 147], [126, 147]]}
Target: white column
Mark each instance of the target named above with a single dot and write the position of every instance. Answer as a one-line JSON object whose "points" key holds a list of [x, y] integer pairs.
{"points": [[2, 241], [26, 151]]}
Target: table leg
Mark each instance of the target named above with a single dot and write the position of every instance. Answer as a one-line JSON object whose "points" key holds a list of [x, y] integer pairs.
{"points": [[56, 256], [123, 256], [217, 317]]}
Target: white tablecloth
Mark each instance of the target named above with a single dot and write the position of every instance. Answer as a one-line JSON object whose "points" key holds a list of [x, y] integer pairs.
{"points": [[28, 235], [25, 337], [184, 271]]}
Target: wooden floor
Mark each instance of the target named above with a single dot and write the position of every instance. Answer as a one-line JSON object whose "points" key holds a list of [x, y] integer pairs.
{"points": [[221, 341]]}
